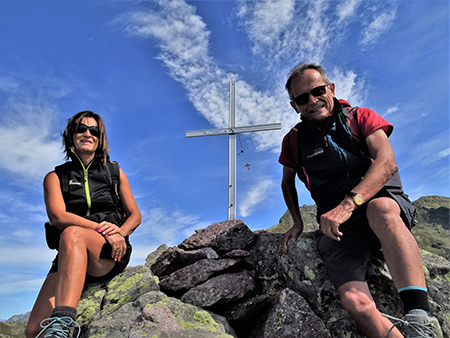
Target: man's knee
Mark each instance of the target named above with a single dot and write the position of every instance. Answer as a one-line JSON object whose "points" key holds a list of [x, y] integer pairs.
{"points": [[358, 304], [383, 211]]}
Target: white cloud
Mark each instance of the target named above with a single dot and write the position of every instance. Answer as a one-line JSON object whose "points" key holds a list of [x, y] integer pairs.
{"points": [[346, 10], [21, 286], [349, 86], [255, 195], [184, 43], [429, 152], [166, 225], [296, 31], [268, 22], [444, 153], [30, 144], [381, 21], [20, 256], [391, 110]]}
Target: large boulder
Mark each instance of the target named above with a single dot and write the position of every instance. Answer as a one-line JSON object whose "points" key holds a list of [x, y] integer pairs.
{"points": [[221, 237], [156, 315]]}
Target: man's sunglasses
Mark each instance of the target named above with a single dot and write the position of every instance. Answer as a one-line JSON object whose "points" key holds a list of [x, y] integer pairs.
{"points": [[304, 98], [93, 130]]}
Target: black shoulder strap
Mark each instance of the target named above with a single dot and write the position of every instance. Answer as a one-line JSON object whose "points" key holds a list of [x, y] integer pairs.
{"points": [[62, 172], [352, 111], [113, 173]]}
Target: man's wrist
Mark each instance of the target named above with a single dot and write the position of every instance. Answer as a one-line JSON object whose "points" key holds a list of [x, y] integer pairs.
{"points": [[348, 204], [356, 198]]}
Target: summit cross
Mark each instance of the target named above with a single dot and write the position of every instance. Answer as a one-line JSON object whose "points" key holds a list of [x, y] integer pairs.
{"points": [[231, 131]]}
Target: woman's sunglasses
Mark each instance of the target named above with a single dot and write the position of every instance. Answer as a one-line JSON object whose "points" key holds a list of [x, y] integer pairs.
{"points": [[93, 130], [304, 98]]}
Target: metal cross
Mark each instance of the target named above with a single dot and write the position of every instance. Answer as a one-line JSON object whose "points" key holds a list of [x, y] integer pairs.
{"points": [[231, 131]]}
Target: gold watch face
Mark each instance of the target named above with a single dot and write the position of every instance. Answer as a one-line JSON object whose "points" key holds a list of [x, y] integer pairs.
{"points": [[359, 200]]}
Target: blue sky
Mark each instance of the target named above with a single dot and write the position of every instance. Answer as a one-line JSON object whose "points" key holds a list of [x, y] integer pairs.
{"points": [[154, 70]]}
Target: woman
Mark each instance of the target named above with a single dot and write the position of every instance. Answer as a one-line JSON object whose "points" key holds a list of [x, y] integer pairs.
{"points": [[95, 224]]}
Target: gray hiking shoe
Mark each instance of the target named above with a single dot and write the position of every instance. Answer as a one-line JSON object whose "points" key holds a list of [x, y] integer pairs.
{"points": [[58, 327], [417, 326]]}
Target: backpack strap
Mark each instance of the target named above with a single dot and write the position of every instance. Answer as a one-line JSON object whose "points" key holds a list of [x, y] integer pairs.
{"points": [[113, 176], [352, 111], [63, 174]]}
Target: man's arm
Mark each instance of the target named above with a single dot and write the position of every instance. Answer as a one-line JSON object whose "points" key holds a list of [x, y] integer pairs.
{"points": [[380, 171], [382, 168], [291, 199]]}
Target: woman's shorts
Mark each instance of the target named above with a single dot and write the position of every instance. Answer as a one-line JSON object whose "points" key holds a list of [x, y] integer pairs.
{"points": [[349, 259], [104, 254]]}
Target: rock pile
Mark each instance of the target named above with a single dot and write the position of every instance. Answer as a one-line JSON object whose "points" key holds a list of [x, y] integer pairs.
{"points": [[243, 277], [227, 281]]}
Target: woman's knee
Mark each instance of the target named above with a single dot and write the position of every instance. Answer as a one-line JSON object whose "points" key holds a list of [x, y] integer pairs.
{"points": [[72, 235]]}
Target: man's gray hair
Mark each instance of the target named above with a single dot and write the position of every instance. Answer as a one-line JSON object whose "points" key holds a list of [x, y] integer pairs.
{"points": [[299, 70]]}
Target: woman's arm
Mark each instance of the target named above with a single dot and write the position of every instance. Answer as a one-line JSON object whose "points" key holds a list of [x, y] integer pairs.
{"points": [[56, 208], [129, 205]]}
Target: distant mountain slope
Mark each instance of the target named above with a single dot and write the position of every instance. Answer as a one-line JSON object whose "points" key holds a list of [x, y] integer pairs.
{"points": [[432, 230]]}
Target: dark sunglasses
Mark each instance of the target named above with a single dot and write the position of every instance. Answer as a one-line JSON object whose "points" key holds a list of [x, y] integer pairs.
{"points": [[304, 98], [93, 130]]}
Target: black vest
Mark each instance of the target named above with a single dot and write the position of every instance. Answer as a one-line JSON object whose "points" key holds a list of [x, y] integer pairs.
{"points": [[331, 163], [88, 192]]}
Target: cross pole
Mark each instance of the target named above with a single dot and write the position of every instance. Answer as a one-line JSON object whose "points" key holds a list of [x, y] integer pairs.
{"points": [[231, 131]]}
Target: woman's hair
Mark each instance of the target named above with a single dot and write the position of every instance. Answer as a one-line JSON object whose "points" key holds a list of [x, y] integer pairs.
{"points": [[298, 70], [72, 126]]}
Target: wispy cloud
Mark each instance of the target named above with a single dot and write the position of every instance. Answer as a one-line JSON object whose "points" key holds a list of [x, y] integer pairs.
{"points": [[346, 10], [21, 286], [256, 195], [430, 151], [168, 225], [349, 86], [282, 30], [183, 41], [29, 116], [378, 23], [391, 110]]}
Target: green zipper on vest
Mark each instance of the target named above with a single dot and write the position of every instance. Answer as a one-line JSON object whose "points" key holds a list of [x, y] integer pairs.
{"points": [[86, 185]]}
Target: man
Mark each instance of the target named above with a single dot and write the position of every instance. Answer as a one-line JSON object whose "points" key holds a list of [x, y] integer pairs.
{"points": [[345, 159]]}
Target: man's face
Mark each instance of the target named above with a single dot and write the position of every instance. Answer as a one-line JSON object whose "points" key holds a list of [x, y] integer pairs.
{"points": [[315, 108]]}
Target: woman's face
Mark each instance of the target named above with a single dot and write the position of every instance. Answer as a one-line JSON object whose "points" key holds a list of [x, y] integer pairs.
{"points": [[85, 140]]}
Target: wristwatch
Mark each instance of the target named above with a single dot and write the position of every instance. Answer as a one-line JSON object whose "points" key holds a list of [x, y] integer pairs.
{"points": [[357, 198]]}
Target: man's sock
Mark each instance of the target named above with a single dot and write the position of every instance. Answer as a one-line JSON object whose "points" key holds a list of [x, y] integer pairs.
{"points": [[65, 311], [414, 298]]}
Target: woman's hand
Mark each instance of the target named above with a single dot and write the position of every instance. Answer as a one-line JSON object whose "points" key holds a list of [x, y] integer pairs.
{"points": [[119, 246], [114, 236], [107, 229]]}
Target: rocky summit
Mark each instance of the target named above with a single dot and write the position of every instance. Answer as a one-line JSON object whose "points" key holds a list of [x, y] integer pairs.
{"points": [[228, 281]]}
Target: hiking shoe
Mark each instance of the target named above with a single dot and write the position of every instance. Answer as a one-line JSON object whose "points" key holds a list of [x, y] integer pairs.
{"points": [[417, 326], [58, 327]]}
